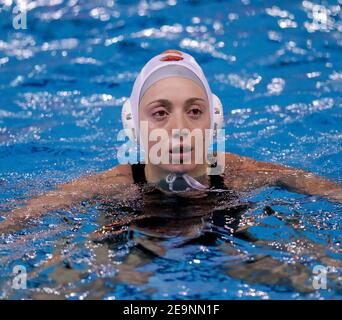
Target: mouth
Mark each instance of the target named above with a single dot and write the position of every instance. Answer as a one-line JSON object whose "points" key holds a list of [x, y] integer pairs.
{"points": [[181, 151]]}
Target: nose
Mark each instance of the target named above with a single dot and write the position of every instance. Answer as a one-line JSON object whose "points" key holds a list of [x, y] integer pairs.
{"points": [[177, 124]]}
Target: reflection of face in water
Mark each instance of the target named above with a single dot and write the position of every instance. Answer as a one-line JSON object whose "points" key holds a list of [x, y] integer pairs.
{"points": [[164, 222], [163, 216], [189, 218]]}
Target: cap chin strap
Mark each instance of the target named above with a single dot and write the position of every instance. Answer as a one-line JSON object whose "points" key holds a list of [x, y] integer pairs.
{"points": [[180, 183]]}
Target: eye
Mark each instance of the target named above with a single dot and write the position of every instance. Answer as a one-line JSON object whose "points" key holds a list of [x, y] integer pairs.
{"points": [[159, 114], [195, 112]]}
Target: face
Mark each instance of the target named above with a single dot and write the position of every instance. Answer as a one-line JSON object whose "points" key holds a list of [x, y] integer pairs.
{"points": [[176, 103]]}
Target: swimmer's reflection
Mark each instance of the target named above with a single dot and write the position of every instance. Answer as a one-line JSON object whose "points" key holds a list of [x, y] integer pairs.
{"points": [[164, 216], [164, 223]]}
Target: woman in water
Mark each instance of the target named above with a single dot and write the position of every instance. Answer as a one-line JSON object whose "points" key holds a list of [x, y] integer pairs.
{"points": [[171, 92]]}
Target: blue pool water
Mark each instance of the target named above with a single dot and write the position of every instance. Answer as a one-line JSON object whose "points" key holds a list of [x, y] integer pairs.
{"points": [[277, 68]]}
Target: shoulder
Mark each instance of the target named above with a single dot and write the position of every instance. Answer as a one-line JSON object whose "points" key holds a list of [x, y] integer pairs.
{"points": [[236, 162], [120, 174], [100, 182], [249, 168]]}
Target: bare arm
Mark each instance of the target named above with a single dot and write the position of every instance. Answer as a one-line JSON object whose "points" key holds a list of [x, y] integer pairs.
{"points": [[301, 181], [108, 183], [245, 174]]}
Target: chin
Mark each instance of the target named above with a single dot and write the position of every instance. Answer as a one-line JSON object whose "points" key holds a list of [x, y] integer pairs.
{"points": [[178, 168]]}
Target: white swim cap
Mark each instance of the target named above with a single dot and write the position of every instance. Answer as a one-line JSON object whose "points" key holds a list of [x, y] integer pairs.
{"points": [[167, 64], [170, 70]]}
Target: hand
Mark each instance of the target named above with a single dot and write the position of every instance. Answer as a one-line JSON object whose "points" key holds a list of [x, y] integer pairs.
{"points": [[334, 195], [6, 226], [15, 220]]}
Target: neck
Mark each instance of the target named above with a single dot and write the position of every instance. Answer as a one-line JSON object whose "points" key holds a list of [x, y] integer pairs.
{"points": [[154, 173]]}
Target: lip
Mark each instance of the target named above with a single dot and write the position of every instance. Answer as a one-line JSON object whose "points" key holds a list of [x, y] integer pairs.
{"points": [[181, 152], [181, 149]]}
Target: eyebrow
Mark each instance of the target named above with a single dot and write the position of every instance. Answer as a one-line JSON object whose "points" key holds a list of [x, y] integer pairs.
{"points": [[168, 102]]}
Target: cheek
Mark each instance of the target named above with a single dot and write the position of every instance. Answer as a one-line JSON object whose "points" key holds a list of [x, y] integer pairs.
{"points": [[143, 116], [207, 120], [155, 134], [203, 123], [152, 123]]}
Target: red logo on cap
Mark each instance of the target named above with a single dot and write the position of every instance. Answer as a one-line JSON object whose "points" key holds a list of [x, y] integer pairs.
{"points": [[172, 51], [171, 58], [171, 55]]}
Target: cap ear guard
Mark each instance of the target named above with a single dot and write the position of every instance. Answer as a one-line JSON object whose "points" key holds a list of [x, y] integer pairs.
{"points": [[217, 113], [128, 121]]}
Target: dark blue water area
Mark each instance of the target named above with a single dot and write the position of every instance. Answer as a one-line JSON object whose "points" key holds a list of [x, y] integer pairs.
{"points": [[276, 67]]}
